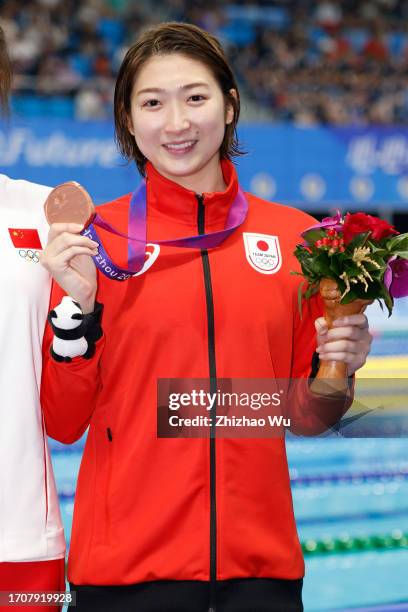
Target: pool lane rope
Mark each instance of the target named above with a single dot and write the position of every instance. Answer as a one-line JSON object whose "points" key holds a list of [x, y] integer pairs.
{"points": [[347, 544]]}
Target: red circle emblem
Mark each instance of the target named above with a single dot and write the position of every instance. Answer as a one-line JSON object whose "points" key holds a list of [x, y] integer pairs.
{"points": [[262, 245]]}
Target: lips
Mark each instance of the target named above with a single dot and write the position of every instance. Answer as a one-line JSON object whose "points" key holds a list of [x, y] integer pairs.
{"points": [[180, 147]]}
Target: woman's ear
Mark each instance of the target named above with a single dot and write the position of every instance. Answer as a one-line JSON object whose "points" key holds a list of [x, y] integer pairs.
{"points": [[130, 124], [230, 111]]}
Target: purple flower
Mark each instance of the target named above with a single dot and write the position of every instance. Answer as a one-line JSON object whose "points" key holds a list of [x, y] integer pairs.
{"points": [[335, 222], [396, 277]]}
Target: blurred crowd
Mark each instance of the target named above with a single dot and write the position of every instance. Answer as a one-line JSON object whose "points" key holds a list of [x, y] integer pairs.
{"points": [[323, 62]]}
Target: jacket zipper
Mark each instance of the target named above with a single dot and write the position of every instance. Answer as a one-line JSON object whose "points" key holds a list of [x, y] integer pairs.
{"points": [[213, 412]]}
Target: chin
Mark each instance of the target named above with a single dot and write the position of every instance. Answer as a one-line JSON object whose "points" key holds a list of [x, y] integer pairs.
{"points": [[180, 169]]}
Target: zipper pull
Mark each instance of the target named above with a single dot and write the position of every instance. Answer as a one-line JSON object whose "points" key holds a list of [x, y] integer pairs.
{"points": [[200, 214]]}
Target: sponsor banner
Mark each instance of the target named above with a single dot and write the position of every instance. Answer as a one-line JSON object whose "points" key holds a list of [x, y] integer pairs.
{"points": [[314, 168], [353, 168]]}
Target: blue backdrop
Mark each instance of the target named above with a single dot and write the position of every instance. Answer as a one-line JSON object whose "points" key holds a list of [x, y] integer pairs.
{"points": [[308, 167]]}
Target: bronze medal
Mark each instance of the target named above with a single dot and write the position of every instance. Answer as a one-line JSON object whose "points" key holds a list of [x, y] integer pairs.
{"points": [[69, 203]]}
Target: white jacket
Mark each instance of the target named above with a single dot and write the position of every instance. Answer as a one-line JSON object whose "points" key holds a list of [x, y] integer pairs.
{"points": [[30, 522]]}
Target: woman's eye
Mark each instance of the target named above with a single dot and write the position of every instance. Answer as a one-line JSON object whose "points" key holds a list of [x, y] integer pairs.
{"points": [[151, 103], [197, 98]]}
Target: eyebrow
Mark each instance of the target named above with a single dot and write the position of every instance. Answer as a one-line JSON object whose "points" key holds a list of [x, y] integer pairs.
{"points": [[183, 88]]}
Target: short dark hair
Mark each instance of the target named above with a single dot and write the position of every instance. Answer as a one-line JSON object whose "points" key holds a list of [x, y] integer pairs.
{"points": [[5, 74], [165, 39]]}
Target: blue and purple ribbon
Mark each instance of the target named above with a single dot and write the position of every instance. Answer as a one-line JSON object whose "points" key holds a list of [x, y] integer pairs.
{"points": [[137, 235]]}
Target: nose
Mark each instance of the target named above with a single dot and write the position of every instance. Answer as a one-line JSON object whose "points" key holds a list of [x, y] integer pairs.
{"points": [[176, 119]]}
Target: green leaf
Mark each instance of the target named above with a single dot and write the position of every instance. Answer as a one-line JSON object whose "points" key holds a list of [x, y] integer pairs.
{"points": [[402, 254], [351, 268], [388, 300], [374, 289], [312, 289], [311, 266], [349, 297], [300, 297], [312, 235], [372, 268], [357, 290], [358, 241], [397, 242], [377, 250], [323, 264], [336, 264]]}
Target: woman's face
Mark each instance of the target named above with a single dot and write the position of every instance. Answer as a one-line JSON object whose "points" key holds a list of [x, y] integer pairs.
{"points": [[178, 118]]}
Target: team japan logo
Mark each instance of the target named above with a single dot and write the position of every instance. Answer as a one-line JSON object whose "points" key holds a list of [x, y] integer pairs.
{"points": [[263, 252]]}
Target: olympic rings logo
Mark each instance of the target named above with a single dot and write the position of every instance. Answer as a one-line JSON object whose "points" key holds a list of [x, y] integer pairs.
{"points": [[30, 255]]}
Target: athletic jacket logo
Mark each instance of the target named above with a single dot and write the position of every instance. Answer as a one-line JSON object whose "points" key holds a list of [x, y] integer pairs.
{"points": [[263, 252], [152, 253]]}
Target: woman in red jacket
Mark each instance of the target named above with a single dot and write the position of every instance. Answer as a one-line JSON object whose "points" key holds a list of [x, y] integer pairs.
{"points": [[180, 524]]}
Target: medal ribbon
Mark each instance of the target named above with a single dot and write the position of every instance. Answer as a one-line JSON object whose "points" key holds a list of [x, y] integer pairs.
{"points": [[137, 235]]}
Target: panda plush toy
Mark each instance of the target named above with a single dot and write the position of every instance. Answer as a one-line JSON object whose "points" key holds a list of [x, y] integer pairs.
{"points": [[69, 338]]}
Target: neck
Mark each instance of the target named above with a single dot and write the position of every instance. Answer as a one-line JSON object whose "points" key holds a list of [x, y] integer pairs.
{"points": [[208, 179]]}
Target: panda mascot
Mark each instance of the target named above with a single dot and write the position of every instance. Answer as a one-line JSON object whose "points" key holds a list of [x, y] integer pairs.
{"points": [[72, 337]]}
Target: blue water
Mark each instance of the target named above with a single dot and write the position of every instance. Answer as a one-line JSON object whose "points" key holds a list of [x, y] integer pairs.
{"points": [[347, 580], [390, 343], [352, 580]]}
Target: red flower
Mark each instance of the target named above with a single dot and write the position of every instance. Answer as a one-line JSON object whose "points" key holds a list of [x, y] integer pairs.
{"points": [[359, 223], [382, 229]]}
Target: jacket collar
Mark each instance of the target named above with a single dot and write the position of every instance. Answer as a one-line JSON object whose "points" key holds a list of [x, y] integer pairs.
{"points": [[165, 197]]}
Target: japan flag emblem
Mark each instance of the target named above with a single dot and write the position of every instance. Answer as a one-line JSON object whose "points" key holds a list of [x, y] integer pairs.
{"points": [[263, 252]]}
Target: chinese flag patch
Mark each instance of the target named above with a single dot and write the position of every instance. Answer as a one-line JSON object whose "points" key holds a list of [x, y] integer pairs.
{"points": [[25, 238]]}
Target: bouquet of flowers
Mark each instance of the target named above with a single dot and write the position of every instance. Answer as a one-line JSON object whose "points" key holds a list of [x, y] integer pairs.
{"points": [[356, 258], [351, 261]]}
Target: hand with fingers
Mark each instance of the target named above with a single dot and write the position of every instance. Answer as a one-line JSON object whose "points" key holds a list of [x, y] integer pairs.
{"points": [[349, 341], [68, 258]]}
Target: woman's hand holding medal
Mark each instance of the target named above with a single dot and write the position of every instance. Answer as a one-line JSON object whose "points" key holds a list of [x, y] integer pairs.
{"points": [[68, 255]]}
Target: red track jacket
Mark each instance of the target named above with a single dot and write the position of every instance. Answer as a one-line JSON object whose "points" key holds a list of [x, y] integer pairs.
{"points": [[184, 509]]}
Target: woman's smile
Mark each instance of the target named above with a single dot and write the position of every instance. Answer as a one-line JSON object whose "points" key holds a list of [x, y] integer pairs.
{"points": [[180, 148]]}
